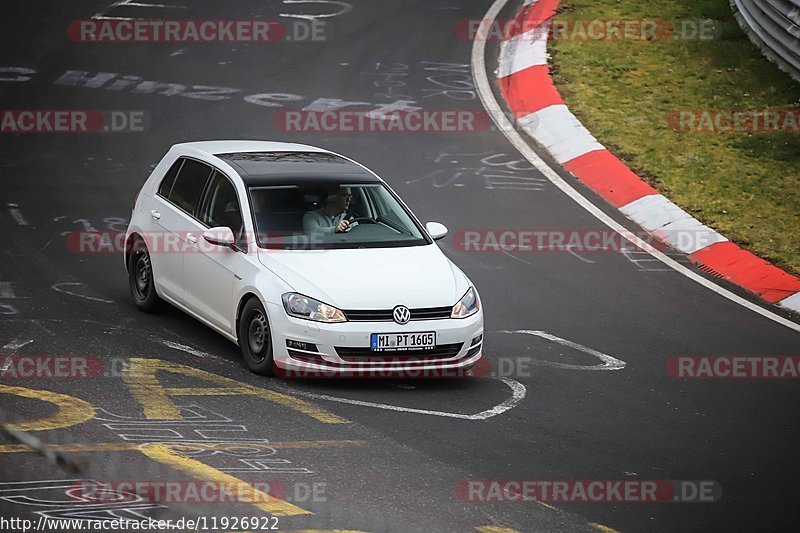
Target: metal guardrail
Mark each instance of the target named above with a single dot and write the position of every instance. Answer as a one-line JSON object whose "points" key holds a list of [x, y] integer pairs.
{"points": [[774, 26]]}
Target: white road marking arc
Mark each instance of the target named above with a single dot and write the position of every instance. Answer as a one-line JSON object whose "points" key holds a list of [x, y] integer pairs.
{"points": [[608, 362], [345, 8], [59, 288], [13, 209], [184, 348], [489, 102], [518, 392]]}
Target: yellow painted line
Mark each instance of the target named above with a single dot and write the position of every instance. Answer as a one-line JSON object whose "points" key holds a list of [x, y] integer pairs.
{"points": [[496, 529], [244, 492], [71, 411], [222, 446], [601, 527], [140, 376]]}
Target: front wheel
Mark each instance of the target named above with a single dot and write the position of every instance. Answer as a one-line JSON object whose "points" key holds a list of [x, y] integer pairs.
{"points": [[140, 280], [255, 338]]}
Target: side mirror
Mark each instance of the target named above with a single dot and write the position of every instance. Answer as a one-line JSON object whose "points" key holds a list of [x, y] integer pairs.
{"points": [[219, 236], [436, 230]]}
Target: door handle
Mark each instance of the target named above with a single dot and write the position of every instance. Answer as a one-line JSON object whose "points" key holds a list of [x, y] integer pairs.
{"points": [[191, 238], [155, 214]]}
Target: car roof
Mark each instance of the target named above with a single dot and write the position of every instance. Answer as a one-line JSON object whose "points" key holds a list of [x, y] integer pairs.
{"points": [[231, 146], [272, 168], [270, 163]]}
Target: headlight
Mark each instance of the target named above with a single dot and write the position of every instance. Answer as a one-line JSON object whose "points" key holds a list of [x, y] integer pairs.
{"points": [[467, 306], [304, 307]]}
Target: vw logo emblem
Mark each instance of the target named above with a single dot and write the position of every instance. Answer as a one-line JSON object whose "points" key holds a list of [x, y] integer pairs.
{"points": [[401, 314]]}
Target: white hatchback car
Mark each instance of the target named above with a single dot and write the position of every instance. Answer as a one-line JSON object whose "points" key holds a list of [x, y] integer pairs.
{"points": [[304, 258]]}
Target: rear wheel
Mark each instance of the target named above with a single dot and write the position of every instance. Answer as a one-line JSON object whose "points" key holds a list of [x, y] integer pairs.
{"points": [[140, 280], [255, 338]]}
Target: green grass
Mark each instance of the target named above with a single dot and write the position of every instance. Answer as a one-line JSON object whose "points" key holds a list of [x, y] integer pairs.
{"points": [[745, 185]]}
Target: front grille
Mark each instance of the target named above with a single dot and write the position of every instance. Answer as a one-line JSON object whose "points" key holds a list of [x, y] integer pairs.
{"points": [[472, 351], [385, 315], [365, 355]]}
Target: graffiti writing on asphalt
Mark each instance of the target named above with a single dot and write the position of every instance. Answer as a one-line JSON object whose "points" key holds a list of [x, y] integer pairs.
{"points": [[219, 440], [452, 80], [390, 79], [78, 499], [448, 80], [488, 170]]}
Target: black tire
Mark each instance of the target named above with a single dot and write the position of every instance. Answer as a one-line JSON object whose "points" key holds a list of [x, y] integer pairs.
{"points": [[140, 280], [255, 338]]}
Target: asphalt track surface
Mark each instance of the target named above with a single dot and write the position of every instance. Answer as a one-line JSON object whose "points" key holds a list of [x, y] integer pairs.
{"points": [[382, 469]]}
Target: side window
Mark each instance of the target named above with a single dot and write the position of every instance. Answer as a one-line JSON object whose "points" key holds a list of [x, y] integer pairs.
{"points": [[382, 210], [189, 185], [221, 206], [169, 178]]}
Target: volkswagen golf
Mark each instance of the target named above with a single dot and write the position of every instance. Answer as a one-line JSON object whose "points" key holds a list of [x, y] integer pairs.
{"points": [[304, 258]]}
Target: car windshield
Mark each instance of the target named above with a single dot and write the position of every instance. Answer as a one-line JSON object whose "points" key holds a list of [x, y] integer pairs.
{"points": [[328, 214]]}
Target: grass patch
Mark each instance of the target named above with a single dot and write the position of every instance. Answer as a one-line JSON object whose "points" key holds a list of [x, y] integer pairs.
{"points": [[744, 185]]}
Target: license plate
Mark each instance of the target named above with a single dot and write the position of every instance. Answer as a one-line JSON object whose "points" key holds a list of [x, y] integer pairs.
{"points": [[398, 342]]}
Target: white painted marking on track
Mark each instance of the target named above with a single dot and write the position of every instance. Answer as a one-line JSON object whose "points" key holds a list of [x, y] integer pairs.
{"points": [[183, 348], [518, 392], [59, 287], [15, 345], [641, 263], [568, 248], [15, 212], [7, 290], [9, 350], [608, 362], [345, 8], [489, 102], [103, 13]]}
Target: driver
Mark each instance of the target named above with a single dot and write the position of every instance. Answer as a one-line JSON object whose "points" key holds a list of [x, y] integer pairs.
{"points": [[330, 218]]}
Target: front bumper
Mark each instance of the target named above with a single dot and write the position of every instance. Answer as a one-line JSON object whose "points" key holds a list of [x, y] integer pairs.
{"points": [[457, 348]]}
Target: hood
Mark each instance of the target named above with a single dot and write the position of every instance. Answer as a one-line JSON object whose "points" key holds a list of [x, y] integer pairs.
{"points": [[370, 278]]}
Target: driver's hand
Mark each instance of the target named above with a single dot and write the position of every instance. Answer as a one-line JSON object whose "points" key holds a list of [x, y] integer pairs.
{"points": [[342, 226]]}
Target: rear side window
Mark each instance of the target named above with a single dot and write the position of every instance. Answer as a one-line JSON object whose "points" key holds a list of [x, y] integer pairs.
{"points": [[189, 185], [221, 205], [169, 179]]}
